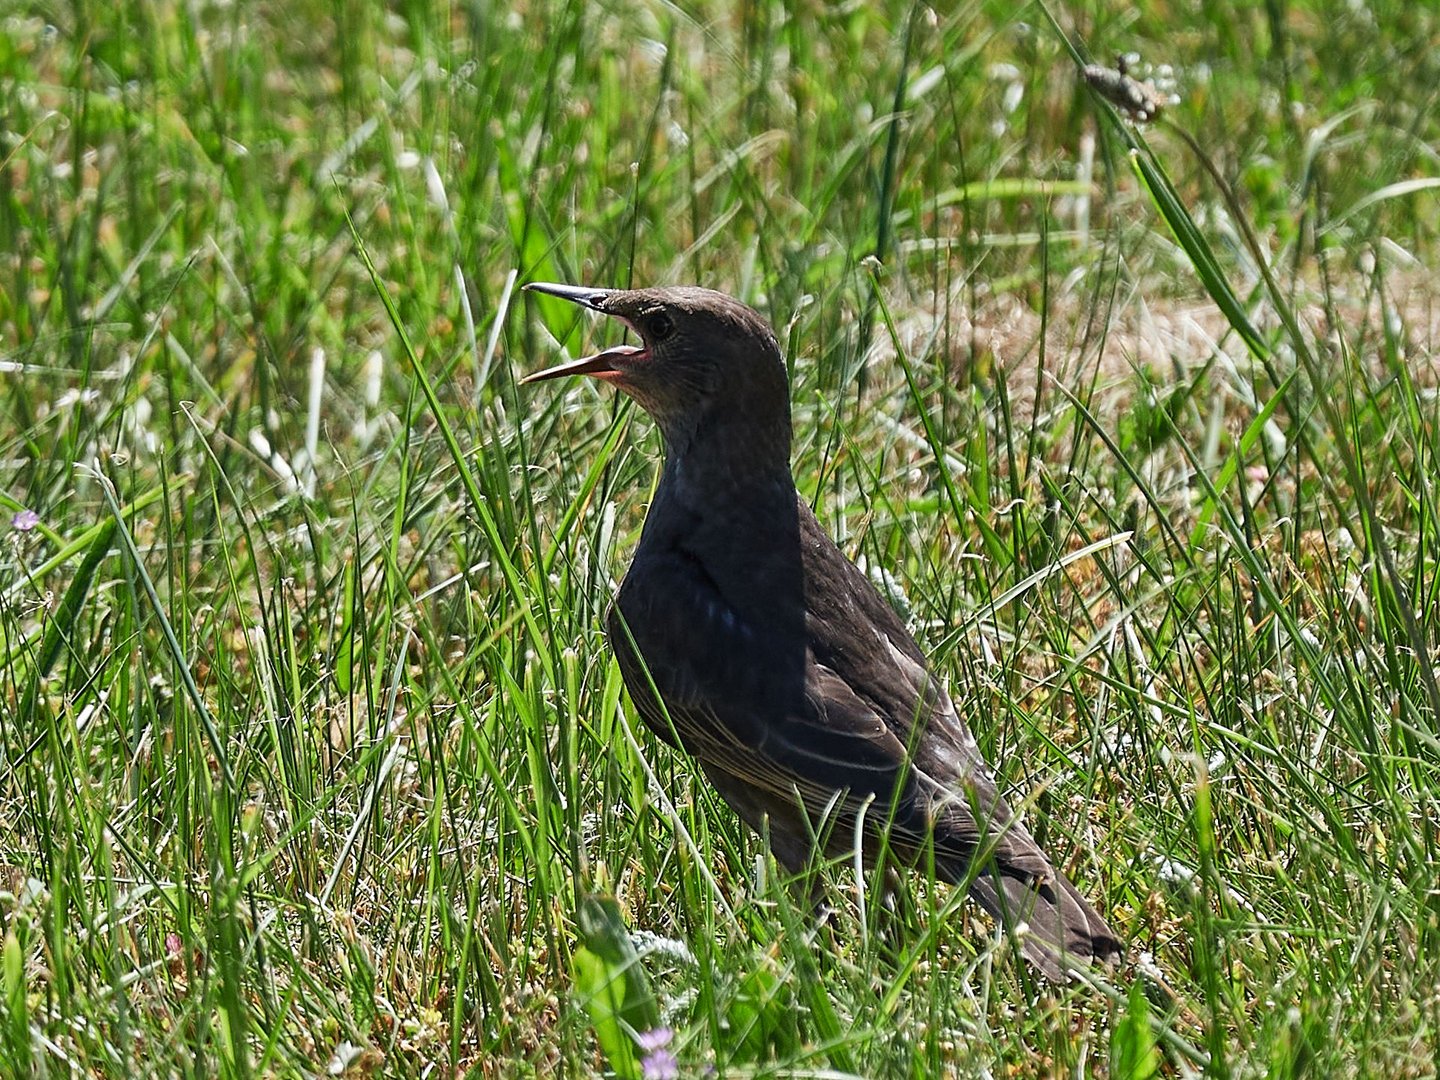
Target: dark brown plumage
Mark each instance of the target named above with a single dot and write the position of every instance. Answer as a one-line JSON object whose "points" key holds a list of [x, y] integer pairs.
{"points": [[747, 638]]}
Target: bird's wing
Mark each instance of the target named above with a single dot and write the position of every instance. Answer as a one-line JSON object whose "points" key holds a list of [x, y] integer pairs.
{"points": [[1017, 883], [853, 630], [751, 696]]}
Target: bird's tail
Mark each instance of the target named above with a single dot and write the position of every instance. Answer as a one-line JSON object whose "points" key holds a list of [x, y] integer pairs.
{"points": [[1054, 922]]}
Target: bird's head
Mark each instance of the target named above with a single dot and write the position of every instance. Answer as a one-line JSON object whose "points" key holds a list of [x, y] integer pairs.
{"points": [[706, 363]]}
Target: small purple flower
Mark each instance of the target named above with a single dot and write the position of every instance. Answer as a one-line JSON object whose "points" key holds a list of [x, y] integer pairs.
{"points": [[657, 1061], [24, 520], [650, 1041], [660, 1065]]}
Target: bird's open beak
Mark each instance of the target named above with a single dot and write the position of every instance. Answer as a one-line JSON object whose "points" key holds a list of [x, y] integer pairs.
{"points": [[602, 364]]}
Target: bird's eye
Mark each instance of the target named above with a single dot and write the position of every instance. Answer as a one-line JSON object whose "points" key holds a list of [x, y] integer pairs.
{"points": [[659, 326]]}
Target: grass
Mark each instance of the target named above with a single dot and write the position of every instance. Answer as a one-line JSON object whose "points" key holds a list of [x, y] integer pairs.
{"points": [[314, 758]]}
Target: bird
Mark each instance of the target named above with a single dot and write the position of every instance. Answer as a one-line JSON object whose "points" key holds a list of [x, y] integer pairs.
{"points": [[748, 640]]}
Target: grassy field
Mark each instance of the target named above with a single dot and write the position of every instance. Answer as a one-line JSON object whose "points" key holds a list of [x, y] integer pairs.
{"points": [[313, 760]]}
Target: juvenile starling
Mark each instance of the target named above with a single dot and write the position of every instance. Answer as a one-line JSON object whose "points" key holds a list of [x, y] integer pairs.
{"points": [[748, 639]]}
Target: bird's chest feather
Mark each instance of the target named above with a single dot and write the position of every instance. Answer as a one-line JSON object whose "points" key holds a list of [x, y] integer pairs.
{"points": [[709, 634], [672, 611]]}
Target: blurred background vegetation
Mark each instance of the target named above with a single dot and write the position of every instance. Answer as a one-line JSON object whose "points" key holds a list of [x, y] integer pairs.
{"points": [[314, 760]]}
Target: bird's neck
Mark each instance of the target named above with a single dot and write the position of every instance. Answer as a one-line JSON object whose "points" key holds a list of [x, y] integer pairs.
{"points": [[729, 504], [730, 462]]}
